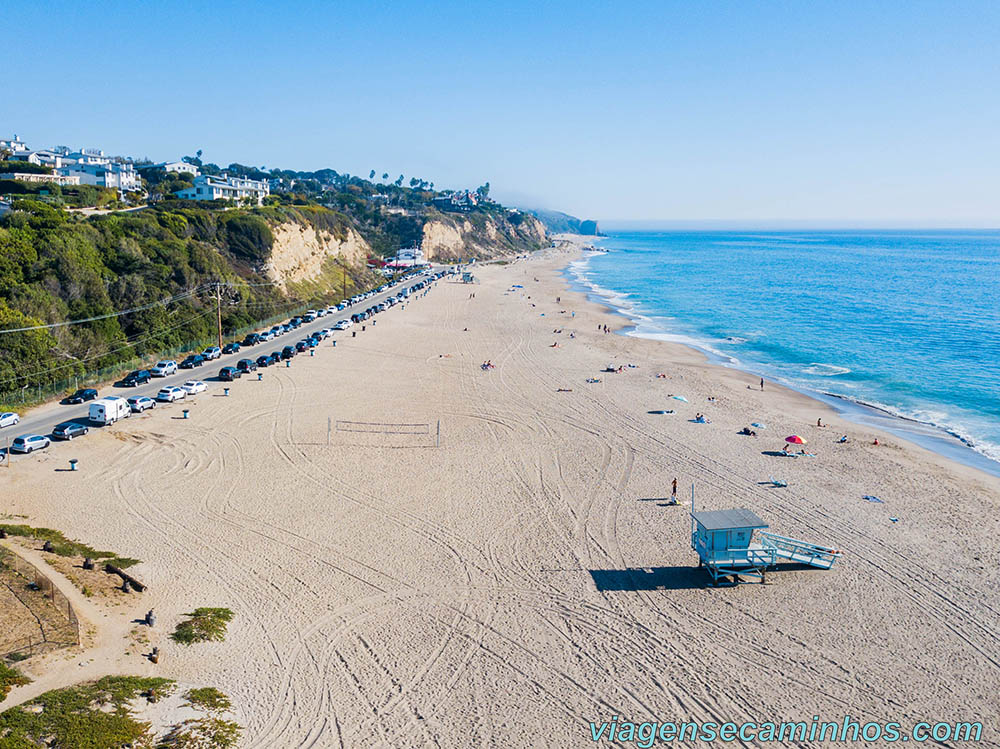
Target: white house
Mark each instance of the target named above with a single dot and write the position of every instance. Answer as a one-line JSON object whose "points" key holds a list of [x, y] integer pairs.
{"points": [[177, 167], [113, 175], [15, 145], [43, 157], [226, 188], [57, 179]]}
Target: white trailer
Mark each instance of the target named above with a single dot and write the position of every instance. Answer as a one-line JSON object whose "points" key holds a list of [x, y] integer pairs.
{"points": [[108, 410]]}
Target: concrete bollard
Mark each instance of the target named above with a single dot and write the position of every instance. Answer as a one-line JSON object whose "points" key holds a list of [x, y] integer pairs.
{"points": [[126, 588], [225, 391], [364, 328], [185, 413], [72, 464], [288, 363], [354, 334], [312, 352], [260, 376], [335, 344]]}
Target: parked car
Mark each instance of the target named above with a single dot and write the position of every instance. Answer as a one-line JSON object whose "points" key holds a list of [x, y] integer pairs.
{"points": [[251, 339], [9, 419], [193, 387], [301, 346], [68, 430], [140, 403], [264, 360], [190, 362], [136, 378], [231, 348], [82, 396], [164, 368], [212, 353], [287, 352], [28, 443], [246, 365], [108, 410], [228, 374], [343, 325], [171, 394]]}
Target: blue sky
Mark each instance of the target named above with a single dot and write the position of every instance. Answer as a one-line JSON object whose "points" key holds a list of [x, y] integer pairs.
{"points": [[826, 113]]}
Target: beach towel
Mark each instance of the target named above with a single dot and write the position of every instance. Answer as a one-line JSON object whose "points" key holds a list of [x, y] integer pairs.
{"points": [[777, 482], [680, 398], [872, 498], [759, 426]]}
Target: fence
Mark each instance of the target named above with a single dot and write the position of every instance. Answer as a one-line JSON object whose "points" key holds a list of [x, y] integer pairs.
{"points": [[51, 635]]}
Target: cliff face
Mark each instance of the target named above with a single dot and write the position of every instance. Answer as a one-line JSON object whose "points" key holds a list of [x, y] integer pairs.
{"points": [[300, 252], [480, 235]]}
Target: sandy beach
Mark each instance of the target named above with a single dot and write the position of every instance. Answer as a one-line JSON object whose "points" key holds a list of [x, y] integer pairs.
{"points": [[525, 577]]}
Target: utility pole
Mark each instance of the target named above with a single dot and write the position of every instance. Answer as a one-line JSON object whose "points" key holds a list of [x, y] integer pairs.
{"points": [[218, 310], [343, 272]]}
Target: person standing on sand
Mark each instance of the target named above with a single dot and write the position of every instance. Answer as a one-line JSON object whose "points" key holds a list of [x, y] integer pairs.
{"points": [[761, 383], [673, 492]]}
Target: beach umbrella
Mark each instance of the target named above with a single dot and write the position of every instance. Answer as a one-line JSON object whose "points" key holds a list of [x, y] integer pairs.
{"points": [[795, 440], [680, 398]]}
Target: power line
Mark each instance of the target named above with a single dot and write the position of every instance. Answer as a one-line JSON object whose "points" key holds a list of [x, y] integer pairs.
{"points": [[169, 300], [129, 343]]}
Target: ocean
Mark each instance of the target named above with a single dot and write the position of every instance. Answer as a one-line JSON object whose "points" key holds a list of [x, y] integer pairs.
{"points": [[899, 329]]}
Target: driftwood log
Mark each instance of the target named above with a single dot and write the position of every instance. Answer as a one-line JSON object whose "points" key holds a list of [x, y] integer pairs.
{"points": [[136, 584]]}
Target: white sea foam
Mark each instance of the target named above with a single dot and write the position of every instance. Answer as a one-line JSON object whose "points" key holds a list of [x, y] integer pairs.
{"points": [[825, 370]]}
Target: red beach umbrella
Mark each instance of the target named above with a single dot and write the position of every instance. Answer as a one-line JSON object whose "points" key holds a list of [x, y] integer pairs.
{"points": [[795, 440]]}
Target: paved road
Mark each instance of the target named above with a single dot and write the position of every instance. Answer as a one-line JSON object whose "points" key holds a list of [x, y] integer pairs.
{"points": [[43, 419]]}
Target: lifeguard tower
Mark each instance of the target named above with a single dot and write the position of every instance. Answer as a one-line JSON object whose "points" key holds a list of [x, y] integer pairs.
{"points": [[725, 546]]}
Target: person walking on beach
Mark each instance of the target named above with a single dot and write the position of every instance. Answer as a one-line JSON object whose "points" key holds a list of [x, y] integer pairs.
{"points": [[761, 383], [673, 492]]}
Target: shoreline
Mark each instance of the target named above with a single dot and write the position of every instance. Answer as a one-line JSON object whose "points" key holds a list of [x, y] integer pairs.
{"points": [[525, 560], [939, 440]]}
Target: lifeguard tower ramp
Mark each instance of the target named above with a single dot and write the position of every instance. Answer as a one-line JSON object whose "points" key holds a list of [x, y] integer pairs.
{"points": [[724, 542]]}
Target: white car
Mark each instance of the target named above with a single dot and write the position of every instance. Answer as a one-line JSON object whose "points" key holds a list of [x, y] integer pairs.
{"points": [[164, 368], [343, 325], [9, 419], [193, 387], [27, 443], [171, 394], [212, 353]]}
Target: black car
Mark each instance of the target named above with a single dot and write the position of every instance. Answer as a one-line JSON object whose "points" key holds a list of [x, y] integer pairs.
{"points": [[138, 377], [231, 348], [251, 339], [81, 396], [287, 352], [246, 365], [195, 360], [295, 322], [229, 374], [264, 360], [68, 430], [301, 346]]}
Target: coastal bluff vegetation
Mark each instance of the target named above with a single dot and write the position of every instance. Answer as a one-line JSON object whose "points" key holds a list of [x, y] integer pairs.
{"points": [[165, 262]]}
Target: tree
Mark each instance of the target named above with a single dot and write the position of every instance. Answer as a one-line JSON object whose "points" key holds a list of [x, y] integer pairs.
{"points": [[371, 174], [483, 191], [399, 182], [385, 176]]}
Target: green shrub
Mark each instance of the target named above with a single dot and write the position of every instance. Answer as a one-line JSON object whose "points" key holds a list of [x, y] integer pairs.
{"points": [[9, 678], [208, 698], [203, 625]]}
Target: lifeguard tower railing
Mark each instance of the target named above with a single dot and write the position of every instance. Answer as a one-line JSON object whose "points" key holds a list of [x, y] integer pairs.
{"points": [[751, 561], [803, 552]]}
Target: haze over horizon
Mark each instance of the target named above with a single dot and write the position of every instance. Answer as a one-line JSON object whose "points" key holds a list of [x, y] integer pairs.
{"points": [[775, 113]]}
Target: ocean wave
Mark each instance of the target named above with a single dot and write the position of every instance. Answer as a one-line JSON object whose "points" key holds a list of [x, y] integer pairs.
{"points": [[735, 339], [939, 420], [825, 370]]}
